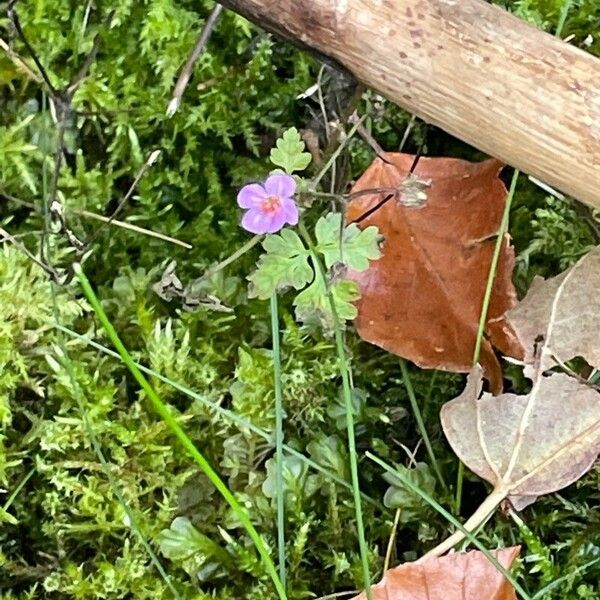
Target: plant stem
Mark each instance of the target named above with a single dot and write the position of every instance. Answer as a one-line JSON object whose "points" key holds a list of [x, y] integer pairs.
{"points": [[278, 439], [390, 546], [163, 411], [489, 288], [347, 392], [337, 152], [420, 423], [233, 257]]}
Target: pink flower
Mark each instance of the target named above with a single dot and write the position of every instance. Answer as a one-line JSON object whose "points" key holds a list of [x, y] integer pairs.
{"points": [[270, 205]]}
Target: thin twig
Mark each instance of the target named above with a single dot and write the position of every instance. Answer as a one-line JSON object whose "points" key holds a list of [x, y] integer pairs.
{"points": [[5, 236], [92, 215], [131, 227], [337, 152], [391, 541], [149, 162], [20, 63], [16, 23], [322, 103], [186, 72]]}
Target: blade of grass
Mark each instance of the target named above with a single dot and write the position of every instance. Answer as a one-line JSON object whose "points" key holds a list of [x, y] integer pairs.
{"points": [[487, 296], [68, 366], [451, 519], [420, 423], [347, 392], [540, 594], [17, 490], [494, 265], [163, 411], [219, 410], [278, 439]]}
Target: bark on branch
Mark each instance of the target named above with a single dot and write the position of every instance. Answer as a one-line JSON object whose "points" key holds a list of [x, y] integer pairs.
{"points": [[476, 71]]}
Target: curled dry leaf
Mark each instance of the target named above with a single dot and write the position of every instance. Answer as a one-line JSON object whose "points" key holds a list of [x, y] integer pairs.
{"points": [[535, 444], [571, 304], [422, 300], [526, 446], [459, 576]]}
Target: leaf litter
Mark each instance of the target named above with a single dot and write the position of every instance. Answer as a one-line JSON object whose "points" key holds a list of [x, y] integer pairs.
{"points": [[422, 300], [458, 576], [537, 443]]}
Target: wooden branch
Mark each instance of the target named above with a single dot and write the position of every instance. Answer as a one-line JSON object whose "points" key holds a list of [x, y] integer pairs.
{"points": [[471, 68]]}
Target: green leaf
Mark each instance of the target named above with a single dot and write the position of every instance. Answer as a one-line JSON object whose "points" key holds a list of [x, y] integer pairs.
{"points": [[285, 264], [298, 483], [312, 304], [289, 152], [330, 453], [198, 554], [398, 496], [358, 246]]}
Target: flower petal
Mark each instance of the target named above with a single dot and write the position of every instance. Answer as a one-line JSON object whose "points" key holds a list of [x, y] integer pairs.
{"points": [[251, 195], [283, 186], [290, 210], [276, 221], [255, 221]]}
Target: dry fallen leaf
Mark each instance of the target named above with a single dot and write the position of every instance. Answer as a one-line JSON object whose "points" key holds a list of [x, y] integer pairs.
{"points": [[458, 576], [538, 443], [422, 300], [571, 303], [526, 446]]}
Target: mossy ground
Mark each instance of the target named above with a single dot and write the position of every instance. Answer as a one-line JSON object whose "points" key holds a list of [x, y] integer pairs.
{"points": [[65, 533]]}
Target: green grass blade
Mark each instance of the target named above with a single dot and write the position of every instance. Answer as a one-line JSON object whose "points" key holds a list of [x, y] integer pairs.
{"points": [[487, 296], [451, 519], [278, 439], [420, 423], [219, 410], [161, 408], [347, 392]]}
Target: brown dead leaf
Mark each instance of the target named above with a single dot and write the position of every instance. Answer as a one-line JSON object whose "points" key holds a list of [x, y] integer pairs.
{"points": [[526, 446], [458, 576], [562, 314], [422, 300]]}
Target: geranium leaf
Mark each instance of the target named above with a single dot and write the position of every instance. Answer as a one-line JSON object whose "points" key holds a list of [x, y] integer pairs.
{"points": [[289, 152], [357, 246], [284, 264], [312, 304]]}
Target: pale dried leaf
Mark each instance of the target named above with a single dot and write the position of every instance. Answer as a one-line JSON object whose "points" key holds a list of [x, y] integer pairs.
{"points": [[562, 314], [529, 445], [458, 576]]}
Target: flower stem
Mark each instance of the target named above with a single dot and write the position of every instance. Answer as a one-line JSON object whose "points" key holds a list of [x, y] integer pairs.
{"points": [[233, 257], [278, 439], [163, 411], [347, 392]]}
